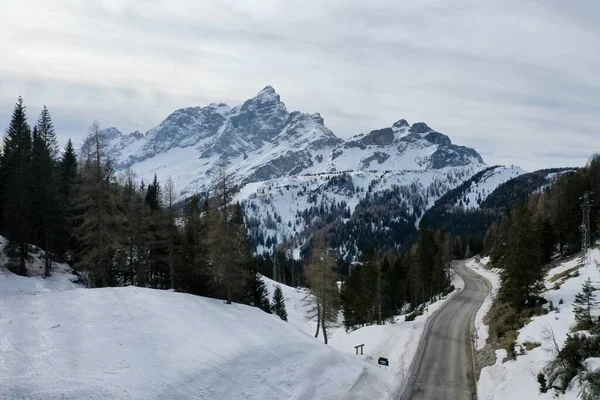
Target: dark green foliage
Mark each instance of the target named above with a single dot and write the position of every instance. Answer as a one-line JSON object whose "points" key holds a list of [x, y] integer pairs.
{"points": [[256, 294], [541, 378], [522, 262], [278, 303], [569, 360], [154, 195], [15, 180], [414, 278], [47, 213], [413, 315], [592, 389], [584, 303]]}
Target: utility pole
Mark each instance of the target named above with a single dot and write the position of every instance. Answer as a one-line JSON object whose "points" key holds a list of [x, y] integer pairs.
{"points": [[586, 206]]}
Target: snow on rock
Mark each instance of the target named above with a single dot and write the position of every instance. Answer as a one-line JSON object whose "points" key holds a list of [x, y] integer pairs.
{"points": [[493, 276], [516, 379]]}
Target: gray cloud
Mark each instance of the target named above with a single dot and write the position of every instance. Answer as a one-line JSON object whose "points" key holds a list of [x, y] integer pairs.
{"points": [[516, 80]]}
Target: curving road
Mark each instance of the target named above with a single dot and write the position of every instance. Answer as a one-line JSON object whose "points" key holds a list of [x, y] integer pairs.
{"points": [[443, 364]]}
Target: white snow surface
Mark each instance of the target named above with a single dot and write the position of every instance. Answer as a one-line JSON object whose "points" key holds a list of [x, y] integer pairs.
{"points": [[479, 265], [516, 379], [137, 343]]}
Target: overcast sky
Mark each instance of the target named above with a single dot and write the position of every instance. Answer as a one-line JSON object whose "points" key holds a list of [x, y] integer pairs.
{"points": [[517, 80]]}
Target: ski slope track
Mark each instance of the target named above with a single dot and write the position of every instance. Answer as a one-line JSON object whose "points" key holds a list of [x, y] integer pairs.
{"points": [[443, 366]]}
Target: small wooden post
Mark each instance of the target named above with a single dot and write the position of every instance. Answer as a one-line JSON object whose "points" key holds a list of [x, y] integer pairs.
{"points": [[361, 349]]}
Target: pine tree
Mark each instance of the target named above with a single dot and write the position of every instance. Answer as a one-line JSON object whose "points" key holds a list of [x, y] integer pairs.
{"points": [[67, 178], [522, 261], [193, 266], [257, 294], [15, 179], [278, 304], [583, 304], [46, 132], [46, 212], [154, 195]]}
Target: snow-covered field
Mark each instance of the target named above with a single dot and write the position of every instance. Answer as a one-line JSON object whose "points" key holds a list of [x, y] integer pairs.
{"points": [[517, 379], [479, 265], [135, 343], [61, 341]]}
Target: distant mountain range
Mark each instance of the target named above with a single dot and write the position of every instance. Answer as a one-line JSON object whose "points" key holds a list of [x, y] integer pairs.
{"points": [[295, 174], [260, 140]]}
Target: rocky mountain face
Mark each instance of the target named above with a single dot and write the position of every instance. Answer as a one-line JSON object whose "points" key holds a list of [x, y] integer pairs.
{"points": [[296, 175], [261, 140]]}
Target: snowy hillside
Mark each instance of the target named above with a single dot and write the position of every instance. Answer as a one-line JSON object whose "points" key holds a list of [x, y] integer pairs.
{"points": [[281, 208], [478, 191], [518, 379], [136, 343]]}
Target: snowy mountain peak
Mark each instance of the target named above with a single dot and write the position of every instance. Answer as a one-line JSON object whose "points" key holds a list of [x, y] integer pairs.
{"points": [[420, 127], [267, 95], [220, 108], [111, 133], [400, 125]]}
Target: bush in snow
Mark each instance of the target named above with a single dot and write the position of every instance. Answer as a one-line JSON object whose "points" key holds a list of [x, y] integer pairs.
{"points": [[542, 381], [569, 361], [592, 389], [584, 302], [278, 304]]}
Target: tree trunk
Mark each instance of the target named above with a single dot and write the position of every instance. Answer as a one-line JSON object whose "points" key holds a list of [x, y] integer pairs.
{"points": [[47, 260], [379, 297], [228, 293], [22, 257], [324, 330], [318, 318]]}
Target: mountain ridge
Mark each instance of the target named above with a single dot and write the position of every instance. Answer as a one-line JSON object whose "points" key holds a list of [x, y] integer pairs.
{"points": [[261, 140]]}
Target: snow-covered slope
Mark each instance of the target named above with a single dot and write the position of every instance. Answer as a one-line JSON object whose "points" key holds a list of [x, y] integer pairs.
{"points": [[136, 343], [517, 379], [479, 190], [276, 207]]}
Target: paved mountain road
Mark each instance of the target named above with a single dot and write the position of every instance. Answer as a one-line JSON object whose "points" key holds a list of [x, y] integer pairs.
{"points": [[443, 365]]}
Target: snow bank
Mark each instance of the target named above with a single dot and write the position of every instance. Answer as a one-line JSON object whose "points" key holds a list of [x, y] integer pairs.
{"points": [[517, 379], [142, 343], [481, 329]]}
